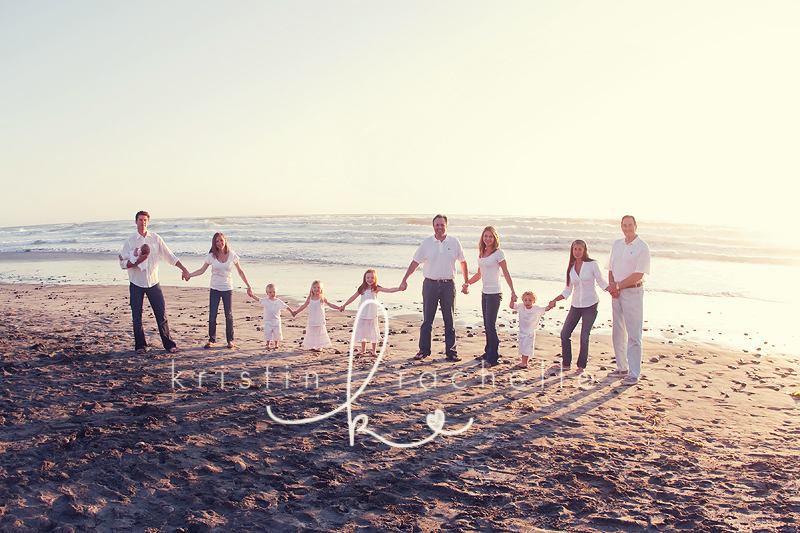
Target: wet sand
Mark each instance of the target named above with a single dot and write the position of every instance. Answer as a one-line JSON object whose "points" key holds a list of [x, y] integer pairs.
{"points": [[96, 438]]}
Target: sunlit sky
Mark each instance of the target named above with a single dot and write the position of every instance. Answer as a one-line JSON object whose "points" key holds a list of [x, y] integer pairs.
{"points": [[671, 110]]}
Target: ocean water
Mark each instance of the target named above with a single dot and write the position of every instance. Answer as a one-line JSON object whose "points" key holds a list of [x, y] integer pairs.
{"points": [[706, 283]]}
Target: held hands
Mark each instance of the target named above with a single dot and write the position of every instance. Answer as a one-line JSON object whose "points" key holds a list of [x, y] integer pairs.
{"points": [[403, 285], [249, 292], [613, 291], [465, 288], [185, 276], [550, 305]]}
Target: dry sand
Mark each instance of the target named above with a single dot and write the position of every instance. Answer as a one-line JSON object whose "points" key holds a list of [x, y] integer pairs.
{"points": [[96, 438]]}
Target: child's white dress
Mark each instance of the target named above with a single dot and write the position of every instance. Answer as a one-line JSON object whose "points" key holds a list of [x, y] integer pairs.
{"points": [[528, 320], [316, 333], [366, 327], [272, 318]]}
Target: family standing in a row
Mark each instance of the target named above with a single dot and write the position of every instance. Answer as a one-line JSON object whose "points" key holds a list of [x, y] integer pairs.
{"points": [[440, 256]]}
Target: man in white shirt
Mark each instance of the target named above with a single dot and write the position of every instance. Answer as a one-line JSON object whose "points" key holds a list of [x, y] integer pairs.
{"points": [[438, 255], [143, 275], [627, 265]]}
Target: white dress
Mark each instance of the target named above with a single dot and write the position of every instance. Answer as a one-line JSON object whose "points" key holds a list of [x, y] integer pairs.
{"points": [[316, 333], [528, 321], [366, 328]]}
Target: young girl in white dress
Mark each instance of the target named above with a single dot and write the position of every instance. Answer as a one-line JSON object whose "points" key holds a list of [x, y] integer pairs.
{"points": [[316, 333], [367, 328]]}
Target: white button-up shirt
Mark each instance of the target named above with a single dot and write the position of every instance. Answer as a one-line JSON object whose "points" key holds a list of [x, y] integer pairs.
{"points": [[581, 286], [438, 258], [628, 259], [146, 275]]}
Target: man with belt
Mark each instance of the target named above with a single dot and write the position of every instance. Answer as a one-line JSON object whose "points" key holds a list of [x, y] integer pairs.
{"points": [[628, 263], [143, 275], [438, 256]]}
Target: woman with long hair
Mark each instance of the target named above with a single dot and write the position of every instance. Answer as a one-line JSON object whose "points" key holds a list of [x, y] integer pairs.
{"points": [[583, 273], [222, 261], [491, 261]]}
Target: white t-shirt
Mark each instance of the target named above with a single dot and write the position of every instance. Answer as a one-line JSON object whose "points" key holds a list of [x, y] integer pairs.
{"points": [[222, 273], [438, 258], [581, 286], [627, 259], [490, 272], [528, 318], [272, 309]]}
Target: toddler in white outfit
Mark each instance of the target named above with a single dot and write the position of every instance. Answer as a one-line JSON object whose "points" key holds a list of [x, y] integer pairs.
{"points": [[529, 316], [272, 315]]}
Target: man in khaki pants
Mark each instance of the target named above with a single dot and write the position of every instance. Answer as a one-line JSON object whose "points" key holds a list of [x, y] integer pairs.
{"points": [[627, 265]]}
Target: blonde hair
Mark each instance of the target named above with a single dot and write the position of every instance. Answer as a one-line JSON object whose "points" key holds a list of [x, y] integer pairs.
{"points": [[531, 293], [311, 292], [271, 285], [482, 245]]}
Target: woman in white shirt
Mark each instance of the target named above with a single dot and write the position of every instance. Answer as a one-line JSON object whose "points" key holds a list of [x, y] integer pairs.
{"points": [[222, 260], [491, 260], [583, 273]]}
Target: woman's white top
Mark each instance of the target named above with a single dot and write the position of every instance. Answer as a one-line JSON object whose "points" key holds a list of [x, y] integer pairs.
{"points": [[581, 286], [490, 272], [222, 273]]}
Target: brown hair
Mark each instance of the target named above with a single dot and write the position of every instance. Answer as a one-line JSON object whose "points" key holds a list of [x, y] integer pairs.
{"points": [[213, 249], [364, 286], [145, 213], [572, 259]]}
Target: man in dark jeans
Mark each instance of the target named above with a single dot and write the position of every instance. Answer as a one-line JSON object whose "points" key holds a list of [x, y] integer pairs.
{"points": [[143, 275], [438, 255]]}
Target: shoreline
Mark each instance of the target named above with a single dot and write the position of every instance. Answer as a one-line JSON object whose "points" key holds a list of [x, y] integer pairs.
{"points": [[668, 317]]}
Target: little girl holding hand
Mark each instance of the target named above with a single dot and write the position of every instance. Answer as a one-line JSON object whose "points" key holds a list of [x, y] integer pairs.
{"points": [[366, 328], [316, 333]]}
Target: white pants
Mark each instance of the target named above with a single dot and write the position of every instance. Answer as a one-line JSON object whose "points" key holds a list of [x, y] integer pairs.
{"points": [[525, 343], [627, 330]]}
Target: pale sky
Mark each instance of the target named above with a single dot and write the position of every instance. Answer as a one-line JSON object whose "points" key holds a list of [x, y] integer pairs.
{"points": [[671, 110]]}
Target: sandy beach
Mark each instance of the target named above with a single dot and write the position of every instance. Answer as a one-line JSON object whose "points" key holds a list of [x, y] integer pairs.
{"points": [[96, 438]]}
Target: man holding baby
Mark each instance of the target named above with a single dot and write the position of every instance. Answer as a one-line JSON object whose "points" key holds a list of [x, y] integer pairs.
{"points": [[140, 255]]}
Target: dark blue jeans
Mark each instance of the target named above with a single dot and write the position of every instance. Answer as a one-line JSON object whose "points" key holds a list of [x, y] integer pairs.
{"points": [[156, 299], [213, 309], [587, 315], [434, 294], [490, 305]]}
